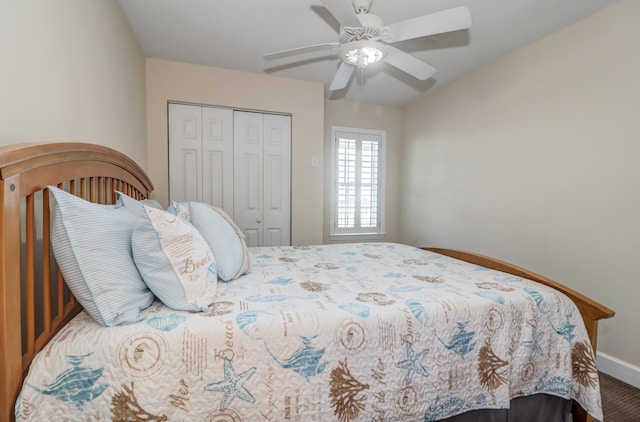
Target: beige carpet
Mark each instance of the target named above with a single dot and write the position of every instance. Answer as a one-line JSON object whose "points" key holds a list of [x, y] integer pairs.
{"points": [[620, 401]]}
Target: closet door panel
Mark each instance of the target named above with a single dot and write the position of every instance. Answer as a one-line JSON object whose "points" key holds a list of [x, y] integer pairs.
{"points": [[185, 152], [277, 180], [190, 161], [248, 175], [274, 189], [251, 181], [252, 236], [274, 237], [213, 179], [217, 145]]}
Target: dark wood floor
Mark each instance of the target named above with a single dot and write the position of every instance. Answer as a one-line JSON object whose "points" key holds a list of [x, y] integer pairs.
{"points": [[620, 401]]}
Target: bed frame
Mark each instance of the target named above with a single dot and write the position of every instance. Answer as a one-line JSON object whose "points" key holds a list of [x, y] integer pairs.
{"points": [[34, 301]]}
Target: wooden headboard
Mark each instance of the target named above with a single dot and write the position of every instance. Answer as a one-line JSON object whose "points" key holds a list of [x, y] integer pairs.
{"points": [[34, 301]]}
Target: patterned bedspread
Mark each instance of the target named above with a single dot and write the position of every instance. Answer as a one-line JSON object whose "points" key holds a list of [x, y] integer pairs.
{"points": [[336, 332]]}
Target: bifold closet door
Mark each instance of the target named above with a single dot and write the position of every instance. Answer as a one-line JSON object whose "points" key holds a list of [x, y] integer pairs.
{"points": [[201, 155], [262, 177], [238, 161]]}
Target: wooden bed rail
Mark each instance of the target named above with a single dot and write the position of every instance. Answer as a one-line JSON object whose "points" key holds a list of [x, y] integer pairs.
{"points": [[34, 300]]}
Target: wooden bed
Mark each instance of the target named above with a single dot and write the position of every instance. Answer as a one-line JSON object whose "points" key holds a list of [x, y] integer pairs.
{"points": [[34, 301]]}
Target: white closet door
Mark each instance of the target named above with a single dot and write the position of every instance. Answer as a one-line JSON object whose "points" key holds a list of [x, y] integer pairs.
{"points": [[185, 152], [277, 180], [239, 161], [247, 175], [217, 157]]}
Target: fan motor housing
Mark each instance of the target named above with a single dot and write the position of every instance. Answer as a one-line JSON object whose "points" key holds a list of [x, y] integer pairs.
{"points": [[370, 30]]}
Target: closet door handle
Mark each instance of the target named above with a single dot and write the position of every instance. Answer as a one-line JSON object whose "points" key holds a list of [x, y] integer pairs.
{"points": [[258, 221]]}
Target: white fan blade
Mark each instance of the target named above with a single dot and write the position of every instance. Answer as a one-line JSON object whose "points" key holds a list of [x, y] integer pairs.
{"points": [[433, 23], [409, 64], [300, 50], [343, 11], [342, 76]]}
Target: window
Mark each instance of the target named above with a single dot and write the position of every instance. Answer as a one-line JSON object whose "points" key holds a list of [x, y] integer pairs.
{"points": [[357, 197]]}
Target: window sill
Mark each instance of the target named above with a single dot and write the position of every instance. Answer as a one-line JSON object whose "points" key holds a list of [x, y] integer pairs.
{"points": [[356, 236]]}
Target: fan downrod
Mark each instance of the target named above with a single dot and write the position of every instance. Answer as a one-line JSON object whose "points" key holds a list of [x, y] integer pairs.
{"points": [[362, 6]]}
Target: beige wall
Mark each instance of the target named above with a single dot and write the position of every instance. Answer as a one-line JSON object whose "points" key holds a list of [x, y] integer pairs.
{"points": [[176, 81], [71, 70], [367, 116], [535, 159]]}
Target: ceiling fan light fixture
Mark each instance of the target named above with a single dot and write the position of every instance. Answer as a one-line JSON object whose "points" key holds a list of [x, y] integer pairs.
{"points": [[362, 53]]}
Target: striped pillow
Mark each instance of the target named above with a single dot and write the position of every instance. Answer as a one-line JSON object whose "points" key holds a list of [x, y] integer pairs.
{"points": [[92, 246], [134, 205], [174, 260]]}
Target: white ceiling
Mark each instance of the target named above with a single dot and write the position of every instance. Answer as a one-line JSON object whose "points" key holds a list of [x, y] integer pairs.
{"points": [[234, 34]]}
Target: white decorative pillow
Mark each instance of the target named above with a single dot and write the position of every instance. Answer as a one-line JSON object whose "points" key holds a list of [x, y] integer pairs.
{"points": [[92, 246], [224, 237], [174, 260]]}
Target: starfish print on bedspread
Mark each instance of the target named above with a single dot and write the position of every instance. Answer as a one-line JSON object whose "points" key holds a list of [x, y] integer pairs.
{"points": [[534, 343], [232, 385], [413, 363]]}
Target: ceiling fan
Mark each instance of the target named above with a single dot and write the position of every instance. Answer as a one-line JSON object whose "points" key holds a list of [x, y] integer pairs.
{"points": [[364, 39]]}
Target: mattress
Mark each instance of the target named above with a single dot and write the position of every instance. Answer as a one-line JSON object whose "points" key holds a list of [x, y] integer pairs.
{"points": [[370, 331]]}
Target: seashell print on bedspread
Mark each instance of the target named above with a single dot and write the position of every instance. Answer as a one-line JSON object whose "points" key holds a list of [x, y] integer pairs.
{"points": [[375, 331]]}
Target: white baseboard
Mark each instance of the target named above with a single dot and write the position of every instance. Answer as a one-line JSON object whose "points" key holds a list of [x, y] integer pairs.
{"points": [[619, 369]]}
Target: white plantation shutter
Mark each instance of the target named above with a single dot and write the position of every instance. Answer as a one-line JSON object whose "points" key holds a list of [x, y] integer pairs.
{"points": [[369, 184], [346, 183], [357, 200]]}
